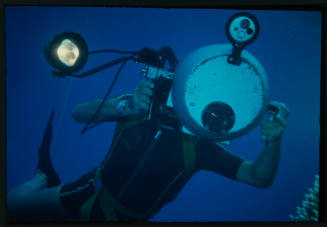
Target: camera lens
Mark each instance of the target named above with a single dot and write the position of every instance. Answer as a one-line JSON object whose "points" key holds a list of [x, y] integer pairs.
{"points": [[218, 117], [245, 23]]}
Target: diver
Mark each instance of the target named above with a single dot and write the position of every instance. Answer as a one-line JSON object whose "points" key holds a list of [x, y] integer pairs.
{"points": [[145, 167]]}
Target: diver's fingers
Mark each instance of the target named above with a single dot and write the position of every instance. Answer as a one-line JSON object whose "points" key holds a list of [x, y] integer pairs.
{"points": [[283, 109], [143, 94], [149, 84], [142, 101], [147, 91], [146, 83], [271, 129], [265, 127], [145, 98], [281, 121], [144, 90], [144, 106]]}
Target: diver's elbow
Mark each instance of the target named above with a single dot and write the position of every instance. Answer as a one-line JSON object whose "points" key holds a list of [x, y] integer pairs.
{"points": [[77, 114], [263, 186]]}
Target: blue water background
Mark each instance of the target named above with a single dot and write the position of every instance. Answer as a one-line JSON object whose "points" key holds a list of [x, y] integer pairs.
{"points": [[288, 46]]}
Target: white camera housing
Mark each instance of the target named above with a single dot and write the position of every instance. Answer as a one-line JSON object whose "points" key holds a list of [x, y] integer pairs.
{"points": [[205, 77]]}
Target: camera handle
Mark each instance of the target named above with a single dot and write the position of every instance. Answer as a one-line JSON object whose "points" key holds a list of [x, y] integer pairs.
{"points": [[154, 63]]}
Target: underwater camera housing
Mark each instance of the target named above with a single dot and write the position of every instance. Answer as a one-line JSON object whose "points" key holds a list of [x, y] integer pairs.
{"points": [[219, 91], [216, 99]]}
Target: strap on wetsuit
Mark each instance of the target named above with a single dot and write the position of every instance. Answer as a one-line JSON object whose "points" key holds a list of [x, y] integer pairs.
{"points": [[110, 205]]}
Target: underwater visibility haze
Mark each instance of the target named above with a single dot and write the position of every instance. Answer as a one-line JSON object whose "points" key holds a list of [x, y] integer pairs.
{"points": [[288, 47]]}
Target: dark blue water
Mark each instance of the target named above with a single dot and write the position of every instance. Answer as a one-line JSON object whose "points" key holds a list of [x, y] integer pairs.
{"points": [[288, 46]]}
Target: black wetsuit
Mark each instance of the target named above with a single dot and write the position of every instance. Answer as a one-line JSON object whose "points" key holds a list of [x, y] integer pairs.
{"points": [[163, 165]]}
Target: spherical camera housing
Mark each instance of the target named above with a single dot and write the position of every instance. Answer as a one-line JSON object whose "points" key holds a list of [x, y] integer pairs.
{"points": [[242, 28], [51, 52], [218, 100]]}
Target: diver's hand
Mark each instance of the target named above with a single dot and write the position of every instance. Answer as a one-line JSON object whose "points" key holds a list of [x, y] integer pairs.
{"points": [[272, 130], [138, 102], [142, 96]]}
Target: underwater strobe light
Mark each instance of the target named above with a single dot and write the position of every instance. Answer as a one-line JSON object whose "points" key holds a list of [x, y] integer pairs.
{"points": [[67, 52], [217, 98], [241, 29]]}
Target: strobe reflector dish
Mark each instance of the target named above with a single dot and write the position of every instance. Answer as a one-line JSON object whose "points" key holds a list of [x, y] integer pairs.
{"points": [[67, 52], [216, 99]]}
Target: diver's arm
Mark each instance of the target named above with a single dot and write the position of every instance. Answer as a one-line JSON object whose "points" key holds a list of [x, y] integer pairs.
{"points": [[261, 173], [109, 112], [116, 108]]}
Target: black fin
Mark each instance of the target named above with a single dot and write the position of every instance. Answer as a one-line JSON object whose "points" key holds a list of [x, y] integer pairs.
{"points": [[44, 163]]}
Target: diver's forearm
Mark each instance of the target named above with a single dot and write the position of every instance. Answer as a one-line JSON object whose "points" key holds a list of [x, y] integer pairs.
{"points": [[265, 167], [84, 112]]}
